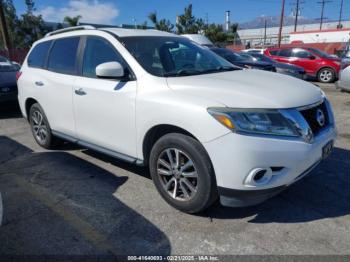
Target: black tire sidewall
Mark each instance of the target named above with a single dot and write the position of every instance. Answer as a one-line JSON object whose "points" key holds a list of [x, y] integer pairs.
{"points": [[49, 139], [319, 74], [207, 191]]}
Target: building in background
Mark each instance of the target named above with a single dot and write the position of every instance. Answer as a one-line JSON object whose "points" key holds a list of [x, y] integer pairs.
{"points": [[256, 36]]}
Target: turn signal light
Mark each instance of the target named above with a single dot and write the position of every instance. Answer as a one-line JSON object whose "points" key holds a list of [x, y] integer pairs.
{"points": [[225, 121]]}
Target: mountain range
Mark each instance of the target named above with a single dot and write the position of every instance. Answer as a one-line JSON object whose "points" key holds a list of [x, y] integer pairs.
{"points": [[272, 21]]}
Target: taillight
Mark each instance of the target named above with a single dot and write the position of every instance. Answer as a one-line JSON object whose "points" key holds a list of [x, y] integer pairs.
{"points": [[18, 75]]}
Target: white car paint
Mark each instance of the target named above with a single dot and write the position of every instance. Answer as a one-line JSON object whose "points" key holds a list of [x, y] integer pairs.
{"points": [[118, 119], [199, 39]]}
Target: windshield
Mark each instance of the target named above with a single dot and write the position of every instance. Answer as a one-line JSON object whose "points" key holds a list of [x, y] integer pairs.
{"points": [[263, 58], [228, 54], [174, 56], [319, 52], [6, 65]]}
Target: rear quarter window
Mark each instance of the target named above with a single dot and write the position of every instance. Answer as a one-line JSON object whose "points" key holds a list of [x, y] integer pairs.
{"points": [[37, 56]]}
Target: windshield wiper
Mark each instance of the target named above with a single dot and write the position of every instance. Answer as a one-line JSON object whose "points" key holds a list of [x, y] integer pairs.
{"points": [[221, 69], [182, 72]]}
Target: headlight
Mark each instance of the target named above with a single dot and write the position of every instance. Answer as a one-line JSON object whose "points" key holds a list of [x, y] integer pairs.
{"points": [[255, 121]]}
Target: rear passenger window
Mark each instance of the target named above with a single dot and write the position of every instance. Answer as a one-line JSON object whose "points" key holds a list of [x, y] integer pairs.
{"points": [[63, 55], [300, 53], [38, 55], [98, 51], [273, 52], [285, 53]]}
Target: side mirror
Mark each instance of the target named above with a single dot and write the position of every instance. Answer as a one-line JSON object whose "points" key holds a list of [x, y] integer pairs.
{"points": [[311, 57], [110, 70]]}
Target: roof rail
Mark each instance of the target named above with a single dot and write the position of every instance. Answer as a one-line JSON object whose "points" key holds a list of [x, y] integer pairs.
{"points": [[69, 29]]}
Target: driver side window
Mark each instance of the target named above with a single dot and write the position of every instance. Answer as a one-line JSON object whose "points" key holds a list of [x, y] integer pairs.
{"points": [[98, 51]]}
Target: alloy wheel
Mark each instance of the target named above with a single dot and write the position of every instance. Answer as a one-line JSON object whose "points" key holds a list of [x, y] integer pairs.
{"points": [[178, 174], [39, 126], [326, 75]]}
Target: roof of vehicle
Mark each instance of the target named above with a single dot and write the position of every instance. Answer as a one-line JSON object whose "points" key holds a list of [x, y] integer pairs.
{"points": [[199, 39], [121, 32]]}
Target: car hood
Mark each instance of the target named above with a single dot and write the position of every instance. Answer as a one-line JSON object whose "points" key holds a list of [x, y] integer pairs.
{"points": [[248, 89]]}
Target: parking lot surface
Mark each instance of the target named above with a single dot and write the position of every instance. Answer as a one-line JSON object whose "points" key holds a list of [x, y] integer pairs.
{"points": [[75, 201]]}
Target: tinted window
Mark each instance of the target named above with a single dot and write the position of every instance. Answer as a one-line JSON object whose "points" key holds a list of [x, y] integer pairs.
{"points": [[273, 52], [63, 55], [98, 51], [285, 53], [38, 55], [300, 53]]}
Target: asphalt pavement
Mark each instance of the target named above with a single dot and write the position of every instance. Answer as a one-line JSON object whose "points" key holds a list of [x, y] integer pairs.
{"points": [[75, 201]]}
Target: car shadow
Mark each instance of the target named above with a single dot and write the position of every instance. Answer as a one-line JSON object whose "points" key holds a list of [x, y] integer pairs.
{"points": [[57, 203], [323, 194], [10, 110]]}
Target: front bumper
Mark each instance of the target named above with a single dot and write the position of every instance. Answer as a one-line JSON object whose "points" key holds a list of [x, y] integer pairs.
{"points": [[234, 157]]}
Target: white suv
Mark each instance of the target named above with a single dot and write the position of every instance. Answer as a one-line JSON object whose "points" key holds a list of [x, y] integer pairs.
{"points": [[205, 128]]}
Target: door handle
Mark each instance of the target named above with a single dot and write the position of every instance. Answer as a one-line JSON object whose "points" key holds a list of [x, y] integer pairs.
{"points": [[39, 83], [80, 92]]}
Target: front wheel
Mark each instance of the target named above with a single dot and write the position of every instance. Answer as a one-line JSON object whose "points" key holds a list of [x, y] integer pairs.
{"points": [[182, 173], [326, 75]]}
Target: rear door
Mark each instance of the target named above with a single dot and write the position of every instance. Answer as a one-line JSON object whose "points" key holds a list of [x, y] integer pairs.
{"points": [[56, 84], [104, 108], [283, 55]]}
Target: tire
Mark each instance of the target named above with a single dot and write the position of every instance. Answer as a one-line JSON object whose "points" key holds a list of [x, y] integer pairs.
{"points": [[199, 173], [40, 127], [326, 75]]}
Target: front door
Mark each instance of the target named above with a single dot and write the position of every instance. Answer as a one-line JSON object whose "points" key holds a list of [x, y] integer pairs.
{"points": [[104, 108]]}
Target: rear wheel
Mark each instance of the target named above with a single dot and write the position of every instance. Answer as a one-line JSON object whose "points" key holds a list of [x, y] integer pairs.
{"points": [[326, 75], [182, 173], [40, 127]]}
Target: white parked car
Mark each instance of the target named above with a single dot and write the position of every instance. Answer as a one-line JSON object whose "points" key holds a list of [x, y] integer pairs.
{"points": [[206, 129], [344, 76], [200, 39]]}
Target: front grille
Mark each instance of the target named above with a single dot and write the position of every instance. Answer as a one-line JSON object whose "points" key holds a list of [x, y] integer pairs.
{"points": [[310, 116]]}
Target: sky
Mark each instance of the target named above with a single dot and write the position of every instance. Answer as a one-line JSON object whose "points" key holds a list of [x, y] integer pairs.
{"points": [[118, 12]]}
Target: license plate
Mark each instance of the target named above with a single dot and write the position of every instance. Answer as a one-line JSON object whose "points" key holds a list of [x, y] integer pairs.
{"points": [[327, 149]]}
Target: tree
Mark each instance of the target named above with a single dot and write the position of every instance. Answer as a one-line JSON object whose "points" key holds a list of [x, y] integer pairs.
{"points": [[215, 33], [72, 21], [186, 23], [162, 25], [25, 30]]}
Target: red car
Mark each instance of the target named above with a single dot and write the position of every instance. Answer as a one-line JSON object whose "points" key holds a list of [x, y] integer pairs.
{"points": [[315, 62]]}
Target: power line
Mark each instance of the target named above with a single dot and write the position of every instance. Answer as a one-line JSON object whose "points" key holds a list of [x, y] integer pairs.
{"points": [[323, 3]]}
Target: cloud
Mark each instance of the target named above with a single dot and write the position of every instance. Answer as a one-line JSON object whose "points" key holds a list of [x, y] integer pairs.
{"points": [[91, 11]]}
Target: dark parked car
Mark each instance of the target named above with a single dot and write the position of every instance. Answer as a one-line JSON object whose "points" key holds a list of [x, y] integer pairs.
{"points": [[238, 60], [8, 85], [282, 68]]}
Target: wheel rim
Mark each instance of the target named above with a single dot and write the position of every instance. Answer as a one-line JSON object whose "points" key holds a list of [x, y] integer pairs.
{"points": [[326, 75], [178, 174], [39, 126]]}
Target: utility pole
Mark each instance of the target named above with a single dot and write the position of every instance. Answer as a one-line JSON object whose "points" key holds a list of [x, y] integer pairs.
{"points": [[297, 4], [323, 3], [340, 14], [4, 31], [265, 27], [281, 24]]}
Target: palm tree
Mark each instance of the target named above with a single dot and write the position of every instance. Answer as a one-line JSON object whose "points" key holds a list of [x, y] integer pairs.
{"points": [[72, 21]]}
